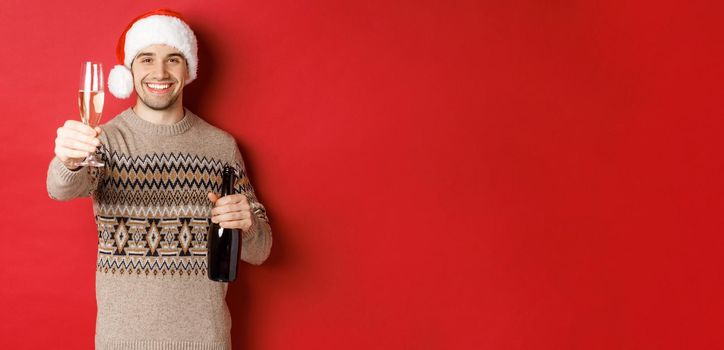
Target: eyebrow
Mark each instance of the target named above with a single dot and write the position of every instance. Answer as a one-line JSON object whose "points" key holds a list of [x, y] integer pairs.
{"points": [[151, 54]]}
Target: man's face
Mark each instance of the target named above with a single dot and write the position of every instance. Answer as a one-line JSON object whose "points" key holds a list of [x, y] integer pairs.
{"points": [[159, 75]]}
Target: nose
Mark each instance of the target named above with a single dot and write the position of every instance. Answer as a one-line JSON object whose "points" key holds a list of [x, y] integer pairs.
{"points": [[159, 70]]}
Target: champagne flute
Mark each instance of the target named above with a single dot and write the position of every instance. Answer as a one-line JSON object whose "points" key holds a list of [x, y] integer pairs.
{"points": [[90, 101]]}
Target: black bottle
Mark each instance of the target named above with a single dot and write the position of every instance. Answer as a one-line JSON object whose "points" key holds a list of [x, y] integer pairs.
{"points": [[224, 244]]}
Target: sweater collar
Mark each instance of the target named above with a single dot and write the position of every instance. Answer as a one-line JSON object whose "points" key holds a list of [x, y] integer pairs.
{"points": [[147, 127]]}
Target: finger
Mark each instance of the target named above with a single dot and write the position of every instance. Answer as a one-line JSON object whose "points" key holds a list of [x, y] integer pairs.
{"points": [[222, 209], [66, 133], [231, 216], [64, 154], [230, 224], [74, 145], [232, 198], [243, 225], [213, 197], [80, 127], [98, 130]]}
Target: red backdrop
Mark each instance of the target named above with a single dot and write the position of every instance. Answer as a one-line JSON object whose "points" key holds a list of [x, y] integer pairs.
{"points": [[439, 174]]}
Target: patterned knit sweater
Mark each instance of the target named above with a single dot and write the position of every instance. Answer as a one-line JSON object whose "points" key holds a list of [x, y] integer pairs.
{"points": [[152, 212]]}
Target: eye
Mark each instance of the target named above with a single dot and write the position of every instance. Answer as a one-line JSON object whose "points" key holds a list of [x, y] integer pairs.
{"points": [[174, 60], [146, 60]]}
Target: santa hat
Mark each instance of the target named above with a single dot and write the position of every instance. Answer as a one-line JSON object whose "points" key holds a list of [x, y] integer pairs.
{"points": [[159, 26]]}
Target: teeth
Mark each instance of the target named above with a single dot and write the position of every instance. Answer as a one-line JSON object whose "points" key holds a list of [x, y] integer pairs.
{"points": [[158, 86]]}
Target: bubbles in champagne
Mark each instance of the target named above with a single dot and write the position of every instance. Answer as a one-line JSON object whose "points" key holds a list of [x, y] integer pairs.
{"points": [[98, 103], [90, 104]]}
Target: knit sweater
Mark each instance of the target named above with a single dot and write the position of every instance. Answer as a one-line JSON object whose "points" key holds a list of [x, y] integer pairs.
{"points": [[152, 214]]}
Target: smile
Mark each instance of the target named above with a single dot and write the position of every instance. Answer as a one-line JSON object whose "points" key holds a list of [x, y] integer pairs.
{"points": [[159, 88]]}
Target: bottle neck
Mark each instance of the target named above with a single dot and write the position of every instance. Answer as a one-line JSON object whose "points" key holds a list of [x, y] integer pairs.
{"points": [[227, 182]]}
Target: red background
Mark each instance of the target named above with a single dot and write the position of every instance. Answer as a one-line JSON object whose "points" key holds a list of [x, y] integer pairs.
{"points": [[439, 174]]}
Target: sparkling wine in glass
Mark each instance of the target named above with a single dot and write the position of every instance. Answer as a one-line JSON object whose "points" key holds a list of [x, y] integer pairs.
{"points": [[90, 101]]}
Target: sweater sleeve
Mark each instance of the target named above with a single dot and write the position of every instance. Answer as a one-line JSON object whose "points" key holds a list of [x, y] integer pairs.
{"points": [[257, 241], [64, 184]]}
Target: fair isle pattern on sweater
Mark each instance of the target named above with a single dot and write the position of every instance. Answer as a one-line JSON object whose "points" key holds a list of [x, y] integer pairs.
{"points": [[151, 217]]}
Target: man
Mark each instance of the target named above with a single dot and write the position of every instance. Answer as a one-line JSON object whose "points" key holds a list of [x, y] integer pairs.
{"points": [[155, 196]]}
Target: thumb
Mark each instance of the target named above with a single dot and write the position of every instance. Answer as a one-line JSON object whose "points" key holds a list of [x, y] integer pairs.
{"points": [[213, 197]]}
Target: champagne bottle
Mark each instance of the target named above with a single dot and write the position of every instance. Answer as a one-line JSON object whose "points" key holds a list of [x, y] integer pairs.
{"points": [[224, 244]]}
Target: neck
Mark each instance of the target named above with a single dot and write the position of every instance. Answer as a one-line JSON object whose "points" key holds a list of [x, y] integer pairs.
{"points": [[168, 116]]}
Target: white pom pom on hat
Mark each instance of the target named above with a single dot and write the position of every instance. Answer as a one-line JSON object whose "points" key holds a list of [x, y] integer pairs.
{"points": [[160, 26], [120, 81]]}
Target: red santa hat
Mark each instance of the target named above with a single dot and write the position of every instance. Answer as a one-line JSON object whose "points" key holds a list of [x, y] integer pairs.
{"points": [[159, 26]]}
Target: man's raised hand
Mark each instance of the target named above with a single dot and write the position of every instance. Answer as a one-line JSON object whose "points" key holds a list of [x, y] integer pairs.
{"points": [[75, 141]]}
